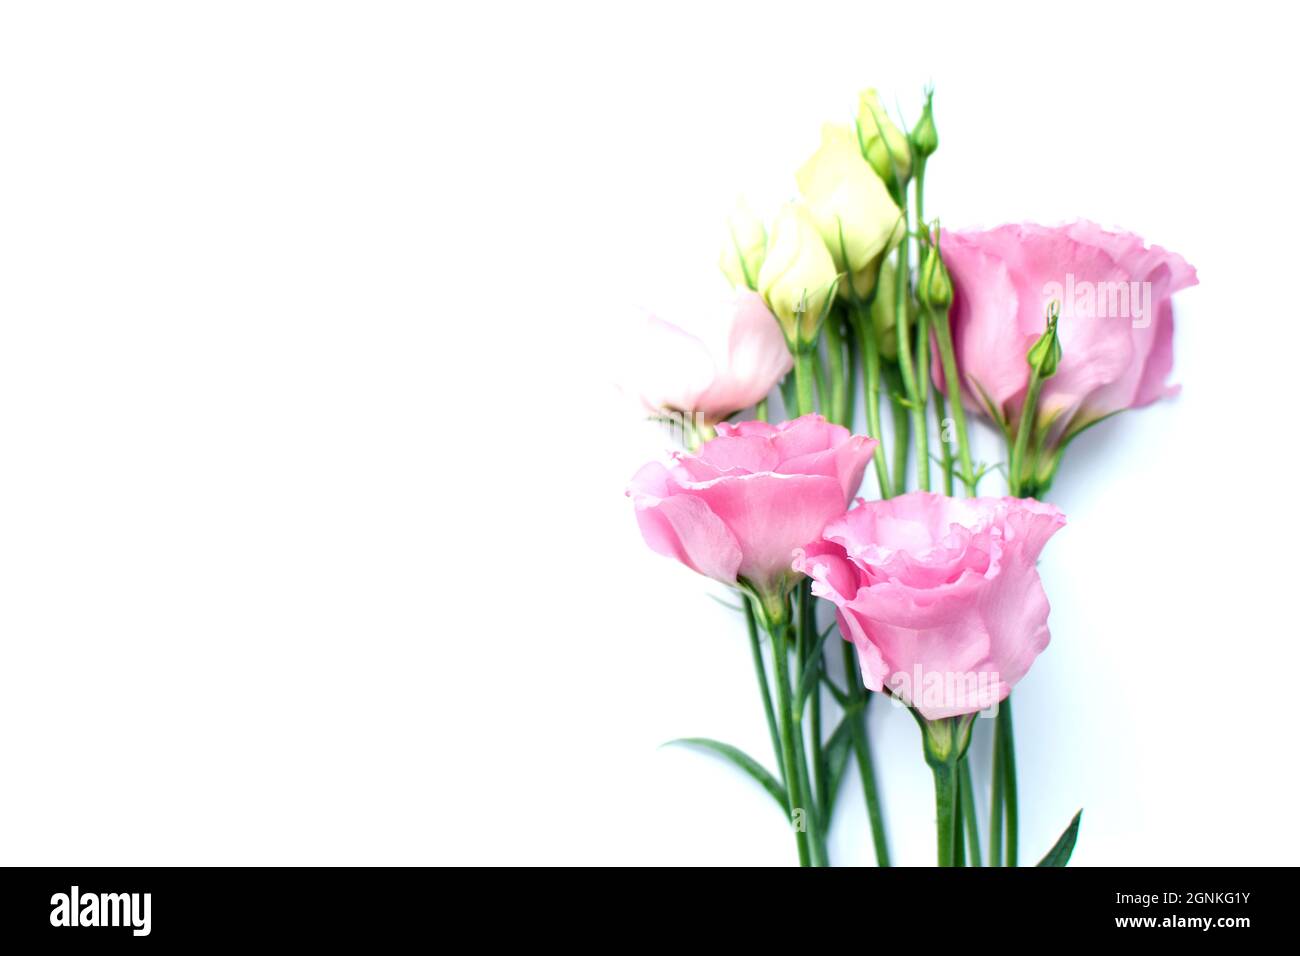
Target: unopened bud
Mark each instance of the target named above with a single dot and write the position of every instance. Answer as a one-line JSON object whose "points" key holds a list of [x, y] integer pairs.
{"points": [[934, 285], [1045, 354], [925, 138]]}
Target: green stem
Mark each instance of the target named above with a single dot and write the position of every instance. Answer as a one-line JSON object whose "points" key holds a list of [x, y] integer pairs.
{"points": [[920, 189], [808, 642], [822, 403], [923, 323], [862, 750], [851, 375], [923, 397], [952, 384], [958, 830], [945, 801], [1005, 791], [940, 414], [997, 818], [820, 785], [945, 741], [1004, 748], [871, 392], [1028, 413], [902, 296], [760, 670], [1008, 738], [760, 410], [902, 432], [968, 813], [803, 643], [798, 805], [834, 404], [804, 375]]}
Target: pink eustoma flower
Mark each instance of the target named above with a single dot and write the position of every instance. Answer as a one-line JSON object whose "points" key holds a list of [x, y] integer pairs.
{"points": [[734, 361], [738, 509], [1116, 327], [939, 595]]}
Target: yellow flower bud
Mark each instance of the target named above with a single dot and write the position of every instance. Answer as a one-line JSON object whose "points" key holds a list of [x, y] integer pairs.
{"points": [[744, 248], [851, 207], [883, 145], [798, 276], [865, 280]]}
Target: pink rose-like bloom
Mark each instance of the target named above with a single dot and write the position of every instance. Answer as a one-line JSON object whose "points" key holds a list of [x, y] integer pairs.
{"points": [[738, 509], [1116, 327], [939, 595], [733, 362]]}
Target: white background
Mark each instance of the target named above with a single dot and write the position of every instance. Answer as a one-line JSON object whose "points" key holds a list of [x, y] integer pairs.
{"points": [[313, 547]]}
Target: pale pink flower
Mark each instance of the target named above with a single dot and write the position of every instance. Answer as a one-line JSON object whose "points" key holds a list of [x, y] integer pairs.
{"points": [[940, 595], [1116, 327], [726, 363], [738, 509]]}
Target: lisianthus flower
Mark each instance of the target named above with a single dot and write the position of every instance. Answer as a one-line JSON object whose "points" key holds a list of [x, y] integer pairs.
{"points": [[1116, 327], [851, 208], [726, 363], [738, 509], [940, 595], [798, 275]]}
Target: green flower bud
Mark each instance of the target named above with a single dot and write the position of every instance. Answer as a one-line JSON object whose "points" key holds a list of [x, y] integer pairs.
{"points": [[925, 138], [946, 739], [934, 285], [1045, 354]]}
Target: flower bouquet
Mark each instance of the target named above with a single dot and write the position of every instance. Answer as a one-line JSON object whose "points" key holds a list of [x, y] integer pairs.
{"points": [[852, 310]]}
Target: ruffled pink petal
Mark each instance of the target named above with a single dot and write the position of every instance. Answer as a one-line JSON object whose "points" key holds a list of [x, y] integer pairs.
{"points": [[989, 344], [806, 435], [770, 516], [1116, 326], [846, 463], [739, 452], [933, 588], [682, 527]]}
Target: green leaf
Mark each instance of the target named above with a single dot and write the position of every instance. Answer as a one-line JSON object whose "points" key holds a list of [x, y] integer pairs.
{"points": [[841, 698], [1059, 855], [742, 760], [808, 680], [1077, 431], [727, 604], [787, 393], [992, 409], [837, 759]]}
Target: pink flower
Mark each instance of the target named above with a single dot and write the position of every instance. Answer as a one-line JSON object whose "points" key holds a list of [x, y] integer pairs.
{"points": [[939, 595], [1116, 327], [733, 363], [738, 509]]}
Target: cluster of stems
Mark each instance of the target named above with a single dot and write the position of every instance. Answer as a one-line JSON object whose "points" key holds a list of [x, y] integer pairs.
{"points": [[812, 763], [825, 377]]}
